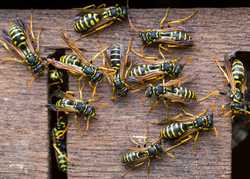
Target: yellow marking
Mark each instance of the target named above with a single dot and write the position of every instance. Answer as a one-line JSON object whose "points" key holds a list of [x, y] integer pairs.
{"points": [[168, 134], [92, 22], [181, 126], [180, 35]]}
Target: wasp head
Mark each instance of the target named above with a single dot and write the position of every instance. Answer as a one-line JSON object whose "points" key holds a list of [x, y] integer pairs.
{"points": [[149, 91]]}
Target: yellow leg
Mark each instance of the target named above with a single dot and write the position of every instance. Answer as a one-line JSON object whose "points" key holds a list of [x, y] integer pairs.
{"points": [[98, 29], [164, 19], [13, 59], [147, 58], [212, 93], [222, 70], [179, 144], [30, 82], [183, 20], [134, 167], [31, 28], [154, 105], [148, 167], [131, 25], [80, 87]]}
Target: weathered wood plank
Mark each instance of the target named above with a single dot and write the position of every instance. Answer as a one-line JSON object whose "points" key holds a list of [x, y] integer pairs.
{"points": [[97, 155], [24, 121]]}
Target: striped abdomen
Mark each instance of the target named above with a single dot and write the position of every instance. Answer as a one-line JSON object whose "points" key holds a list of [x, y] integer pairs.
{"points": [[85, 22], [115, 12], [131, 157], [17, 36], [176, 36], [34, 62], [119, 85], [149, 37], [60, 128], [174, 130], [115, 56], [184, 93], [141, 70], [238, 72], [65, 103], [62, 162], [70, 60]]}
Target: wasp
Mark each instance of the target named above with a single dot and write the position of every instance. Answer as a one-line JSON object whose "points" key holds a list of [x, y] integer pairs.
{"points": [[117, 61], [153, 69], [59, 131], [22, 43], [188, 127], [66, 102], [166, 37], [173, 91], [92, 19], [235, 75], [78, 65], [59, 143], [145, 152]]}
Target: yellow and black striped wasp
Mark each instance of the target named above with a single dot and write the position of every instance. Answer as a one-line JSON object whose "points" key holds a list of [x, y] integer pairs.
{"points": [[166, 37], [78, 65], [186, 126], [145, 152], [92, 19], [59, 143], [22, 43], [235, 75], [153, 69], [116, 59], [173, 91], [68, 103]]}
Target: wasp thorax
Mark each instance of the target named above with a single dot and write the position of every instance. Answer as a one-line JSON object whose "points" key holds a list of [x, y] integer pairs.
{"points": [[97, 77]]}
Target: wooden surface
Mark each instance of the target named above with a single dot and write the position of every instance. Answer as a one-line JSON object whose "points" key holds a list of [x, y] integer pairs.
{"points": [[23, 123]]}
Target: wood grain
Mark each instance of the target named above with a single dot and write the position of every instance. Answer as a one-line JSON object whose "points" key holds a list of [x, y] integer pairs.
{"points": [[23, 124]]}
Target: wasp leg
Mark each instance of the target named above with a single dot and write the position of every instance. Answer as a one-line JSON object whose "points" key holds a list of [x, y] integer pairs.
{"points": [[134, 167], [61, 135], [164, 19], [91, 6], [30, 82], [31, 28], [222, 70], [93, 92], [212, 93], [182, 20], [131, 25], [98, 54], [195, 140], [87, 125], [103, 5], [37, 50], [153, 106], [183, 141], [59, 152], [80, 87], [215, 131], [98, 28], [13, 59], [148, 58], [148, 167]]}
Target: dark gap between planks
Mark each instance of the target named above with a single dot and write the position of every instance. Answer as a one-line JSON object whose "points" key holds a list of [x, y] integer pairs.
{"points": [[240, 130], [54, 172]]}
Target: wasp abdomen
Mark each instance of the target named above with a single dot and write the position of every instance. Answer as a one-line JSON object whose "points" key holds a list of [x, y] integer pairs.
{"points": [[174, 130], [85, 22]]}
